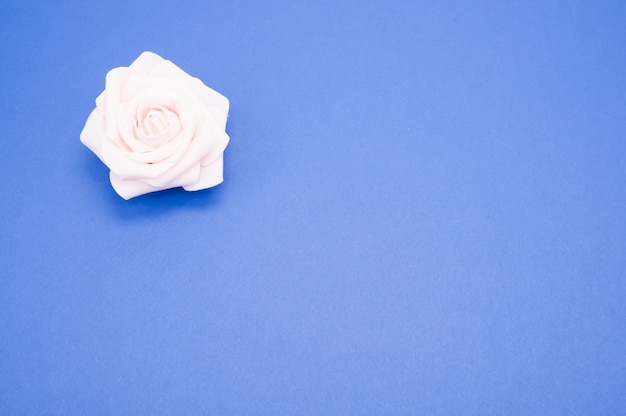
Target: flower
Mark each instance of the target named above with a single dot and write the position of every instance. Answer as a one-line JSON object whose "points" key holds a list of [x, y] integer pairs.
{"points": [[156, 127]]}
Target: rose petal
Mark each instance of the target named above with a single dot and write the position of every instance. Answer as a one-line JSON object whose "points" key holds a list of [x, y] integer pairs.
{"points": [[208, 96], [101, 103], [213, 100], [92, 134], [115, 82], [127, 129], [218, 138], [187, 178], [210, 99], [119, 162], [153, 72], [140, 83], [216, 153], [173, 150], [155, 123], [130, 188], [196, 150], [146, 62], [167, 69], [181, 155], [210, 176]]}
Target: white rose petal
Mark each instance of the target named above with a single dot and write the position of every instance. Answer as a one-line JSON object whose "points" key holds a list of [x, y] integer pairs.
{"points": [[156, 127]]}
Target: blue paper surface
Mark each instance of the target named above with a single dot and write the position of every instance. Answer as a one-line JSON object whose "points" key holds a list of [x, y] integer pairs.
{"points": [[423, 212]]}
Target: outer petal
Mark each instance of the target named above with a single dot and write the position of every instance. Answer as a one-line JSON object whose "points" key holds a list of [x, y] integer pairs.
{"points": [[101, 102], [130, 188], [220, 142], [217, 104], [168, 69], [212, 99], [188, 178], [196, 150], [93, 133], [115, 81], [210, 176], [146, 62]]}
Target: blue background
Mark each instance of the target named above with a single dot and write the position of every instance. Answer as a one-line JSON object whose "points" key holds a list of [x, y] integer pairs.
{"points": [[424, 212]]}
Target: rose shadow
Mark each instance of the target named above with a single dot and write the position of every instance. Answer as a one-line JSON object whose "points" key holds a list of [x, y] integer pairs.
{"points": [[152, 205], [162, 202]]}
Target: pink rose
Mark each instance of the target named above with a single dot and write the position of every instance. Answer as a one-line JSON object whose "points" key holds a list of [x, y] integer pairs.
{"points": [[156, 127]]}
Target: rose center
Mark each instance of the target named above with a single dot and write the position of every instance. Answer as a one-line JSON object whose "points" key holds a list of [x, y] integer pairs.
{"points": [[156, 125], [155, 122]]}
